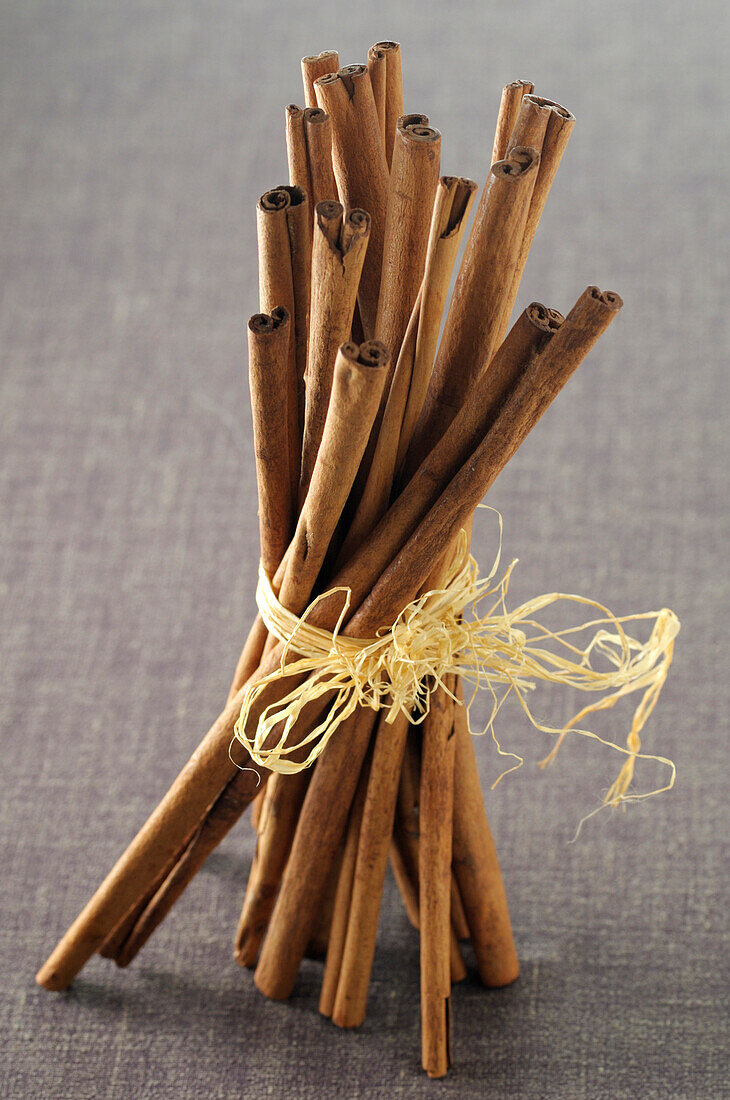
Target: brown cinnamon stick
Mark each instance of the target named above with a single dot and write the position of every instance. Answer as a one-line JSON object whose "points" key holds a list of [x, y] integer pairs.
{"points": [[296, 149], [377, 67], [268, 364], [338, 252], [410, 379], [482, 288], [357, 385], [547, 122], [268, 347], [509, 109], [452, 204], [283, 797], [318, 135], [283, 232], [413, 178], [360, 167], [313, 67], [393, 92], [343, 898], [527, 337], [477, 868], [347, 978], [436, 814]]}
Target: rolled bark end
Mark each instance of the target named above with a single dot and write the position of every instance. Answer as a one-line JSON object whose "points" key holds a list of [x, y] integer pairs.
{"points": [[328, 215], [328, 78], [324, 56], [557, 108], [262, 323], [544, 318], [373, 354], [278, 198], [416, 128], [463, 189], [358, 219], [521, 160], [315, 115], [350, 72], [412, 120], [611, 298]]}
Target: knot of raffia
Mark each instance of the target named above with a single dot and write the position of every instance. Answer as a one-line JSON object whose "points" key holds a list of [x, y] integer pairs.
{"points": [[462, 628]]}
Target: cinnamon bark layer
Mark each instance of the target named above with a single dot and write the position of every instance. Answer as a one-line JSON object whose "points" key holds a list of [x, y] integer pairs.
{"points": [[284, 239], [338, 251], [436, 815], [413, 178], [360, 167], [483, 288], [393, 92]]}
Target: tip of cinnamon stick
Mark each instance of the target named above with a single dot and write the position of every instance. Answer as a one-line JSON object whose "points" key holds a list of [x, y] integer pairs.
{"points": [[520, 160], [315, 114], [609, 297], [324, 56], [544, 318], [552, 105]]}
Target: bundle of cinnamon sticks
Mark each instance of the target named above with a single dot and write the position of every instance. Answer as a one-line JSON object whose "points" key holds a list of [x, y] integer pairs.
{"points": [[374, 444]]}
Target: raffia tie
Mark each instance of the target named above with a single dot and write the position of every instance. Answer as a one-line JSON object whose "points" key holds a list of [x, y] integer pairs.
{"points": [[462, 628]]}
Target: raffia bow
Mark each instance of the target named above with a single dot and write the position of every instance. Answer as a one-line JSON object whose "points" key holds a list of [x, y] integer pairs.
{"points": [[444, 632]]}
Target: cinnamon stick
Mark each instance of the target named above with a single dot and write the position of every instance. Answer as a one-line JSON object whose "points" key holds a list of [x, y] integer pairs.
{"points": [[343, 898], [282, 235], [314, 66], [296, 149], [377, 67], [477, 868], [413, 179], [482, 288], [509, 109], [360, 167], [318, 135], [283, 797], [409, 895], [357, 384], [436, 814], [346, 979], [552, 125], [268, 346], [410, 379], [452, 204], [268, 364], [393, 92], [338, 252]]}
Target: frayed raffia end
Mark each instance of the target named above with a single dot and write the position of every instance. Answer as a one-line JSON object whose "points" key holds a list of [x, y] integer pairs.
{"points": [[444, 632]]}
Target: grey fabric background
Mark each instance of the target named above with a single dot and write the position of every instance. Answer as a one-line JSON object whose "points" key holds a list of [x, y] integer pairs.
{"points": [[136, 139]]}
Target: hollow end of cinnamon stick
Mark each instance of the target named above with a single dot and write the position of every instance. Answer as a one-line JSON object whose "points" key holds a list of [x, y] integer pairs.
{"points": [[558, 108], [263, 323], [371, 353], [463, 192], [521, 160], [277, 198], [544, 318]]}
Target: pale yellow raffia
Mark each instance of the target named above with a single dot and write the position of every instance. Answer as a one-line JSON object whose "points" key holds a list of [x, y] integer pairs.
{"points": [[441, 633]]}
